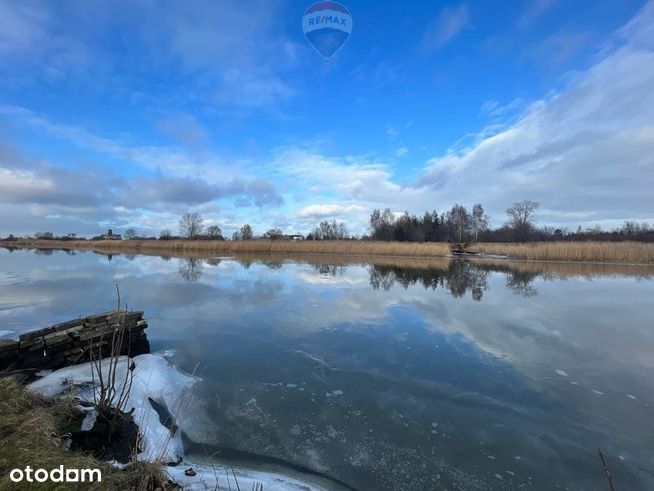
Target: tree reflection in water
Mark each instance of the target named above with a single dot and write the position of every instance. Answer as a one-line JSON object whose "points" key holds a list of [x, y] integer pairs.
{"points": [[520, 282], [332, 270], [458, 278], [191, 268]]}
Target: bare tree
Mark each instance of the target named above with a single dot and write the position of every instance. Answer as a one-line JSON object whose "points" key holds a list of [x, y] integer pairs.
{"points": [[191, 225], [246, 232], [130, 234], [273, 234], [479, 220], [333, 230], [630, 227], [165, 234], [214, 231], [521, 218], [459, 221], [381, 224]]}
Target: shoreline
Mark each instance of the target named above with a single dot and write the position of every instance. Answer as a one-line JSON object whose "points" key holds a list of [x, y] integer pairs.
{"points": [[617, 253]]}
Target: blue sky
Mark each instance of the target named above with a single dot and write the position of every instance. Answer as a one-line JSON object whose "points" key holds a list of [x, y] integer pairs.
{"points": [[118, 114]]}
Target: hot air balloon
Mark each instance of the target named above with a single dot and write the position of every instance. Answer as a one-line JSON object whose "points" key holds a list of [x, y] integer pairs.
{"points": [[327, 25]]}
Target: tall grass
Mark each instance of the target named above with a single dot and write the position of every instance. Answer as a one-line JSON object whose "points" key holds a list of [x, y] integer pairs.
{"points": [[626, 252], [32, 430], [342, 247]]}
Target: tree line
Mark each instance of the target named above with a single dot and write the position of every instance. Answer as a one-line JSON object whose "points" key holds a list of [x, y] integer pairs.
{"points": [[457, 225]]}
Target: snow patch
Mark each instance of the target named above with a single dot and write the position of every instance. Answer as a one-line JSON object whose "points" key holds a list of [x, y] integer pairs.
{"points": [[89, 420], [208, 478], [156, 378]]}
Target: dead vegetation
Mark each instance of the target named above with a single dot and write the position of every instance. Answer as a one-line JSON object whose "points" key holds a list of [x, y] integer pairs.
{"points": [[606, 252], [32, 431], [623, 252]]}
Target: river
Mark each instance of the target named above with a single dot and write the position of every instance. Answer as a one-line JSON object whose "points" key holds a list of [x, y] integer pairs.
{"points": [[382, 374]]}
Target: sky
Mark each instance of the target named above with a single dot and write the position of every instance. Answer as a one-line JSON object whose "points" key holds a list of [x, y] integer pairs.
{"points": [[117, 114]]}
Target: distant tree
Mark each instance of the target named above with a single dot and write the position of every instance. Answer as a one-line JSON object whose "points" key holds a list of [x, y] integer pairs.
{"points": [[521, 218], [130, 234], [478, 221], [44, 235], [244, 233], [327, 230], [407, 228], [165, 234], [431, 226], [273, 234], [340, 231], [459, 221], [382, 224], [630, 227], [213, 231], [191, 225]]}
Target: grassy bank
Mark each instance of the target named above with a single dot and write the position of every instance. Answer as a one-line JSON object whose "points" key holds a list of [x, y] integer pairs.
{"points": [[31, 431], [621, 252], [346, 247]]}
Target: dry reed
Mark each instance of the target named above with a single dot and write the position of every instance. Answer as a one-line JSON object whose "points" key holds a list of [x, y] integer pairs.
{"points": [[623, 252], [626, 252], [343, 247]]}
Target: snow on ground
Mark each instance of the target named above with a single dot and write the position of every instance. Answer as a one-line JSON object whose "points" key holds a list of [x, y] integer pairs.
{"points": [[219, 477], [156, 378]]}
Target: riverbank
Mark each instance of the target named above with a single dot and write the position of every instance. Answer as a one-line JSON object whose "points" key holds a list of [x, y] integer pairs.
{"points": [[614, 252], [32, 430]]}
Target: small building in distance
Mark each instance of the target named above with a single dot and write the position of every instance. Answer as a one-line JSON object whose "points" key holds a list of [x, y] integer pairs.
{"points": [[110, 235], [293, 237]]}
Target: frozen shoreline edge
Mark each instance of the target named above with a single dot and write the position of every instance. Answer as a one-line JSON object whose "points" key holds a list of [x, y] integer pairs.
{"points": [[156, 377]]}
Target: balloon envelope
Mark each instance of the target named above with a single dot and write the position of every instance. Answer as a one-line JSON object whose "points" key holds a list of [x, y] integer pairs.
{"points": [[327, 25]]}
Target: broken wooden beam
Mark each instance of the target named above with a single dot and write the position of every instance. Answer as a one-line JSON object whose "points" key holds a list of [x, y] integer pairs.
{"points": [[73, 342]]}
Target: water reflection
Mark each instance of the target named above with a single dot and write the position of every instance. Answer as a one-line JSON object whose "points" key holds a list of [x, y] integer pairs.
{"points": [[458, 278], [191, 268], [401, 374]]}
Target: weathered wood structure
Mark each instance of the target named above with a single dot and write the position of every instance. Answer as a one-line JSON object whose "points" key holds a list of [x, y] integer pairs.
{"points": [[73, 342]]}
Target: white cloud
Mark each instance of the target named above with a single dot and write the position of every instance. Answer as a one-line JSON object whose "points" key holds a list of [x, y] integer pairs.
{"points": [[233, 55], [328, 210], [392, 132], [535, 9], [29, 36], [450, 22], [586, 152], [588, 148]]}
